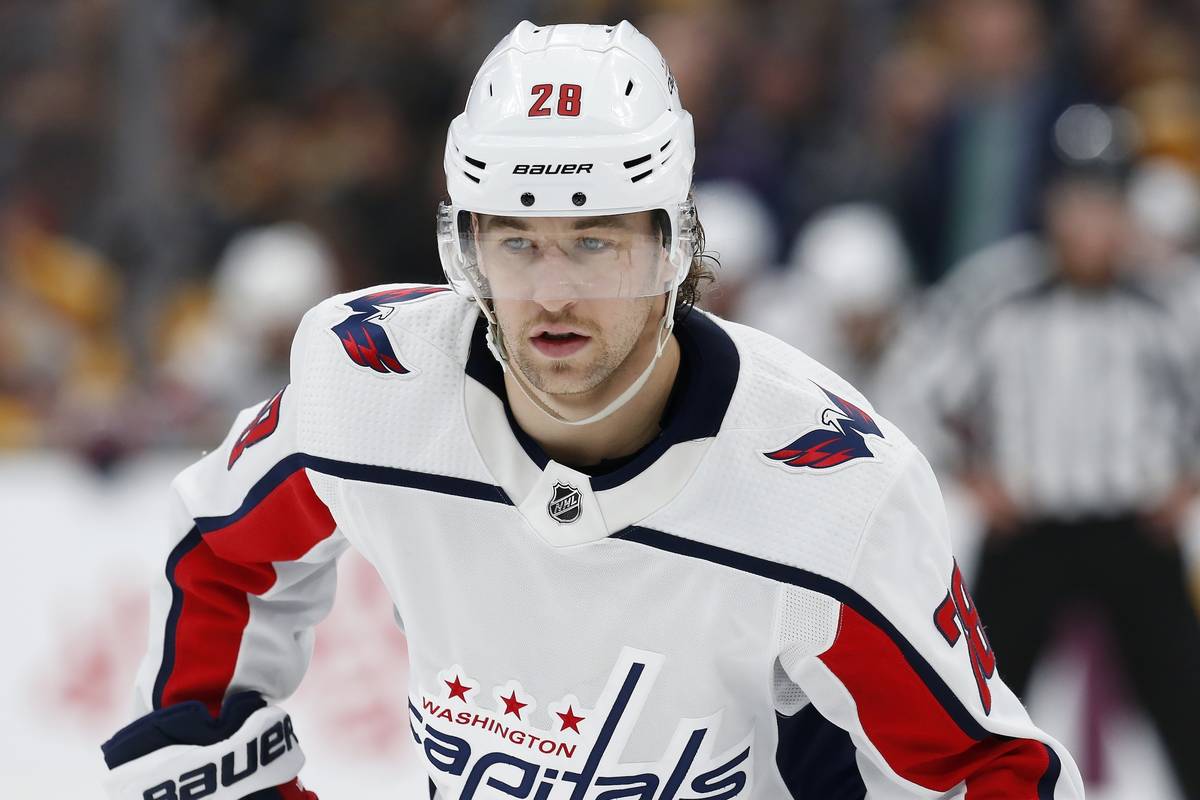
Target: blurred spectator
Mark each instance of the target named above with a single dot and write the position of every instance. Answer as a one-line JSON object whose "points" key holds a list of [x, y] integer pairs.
{"points": [[1076, 404], [766, 85], [739, 233], [847, 284], [981, 170], [910, 87], [1119, 46], [1164, 203], [1168, 121], [64, 373], [1164, 191], [232, 351], [697, 45]]}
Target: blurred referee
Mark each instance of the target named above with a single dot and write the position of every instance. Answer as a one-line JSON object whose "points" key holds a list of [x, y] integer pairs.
{"points": [[1076, 404]]}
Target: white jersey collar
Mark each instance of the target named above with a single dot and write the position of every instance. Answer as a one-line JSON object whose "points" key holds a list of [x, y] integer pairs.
{"points": [[566, 506]]}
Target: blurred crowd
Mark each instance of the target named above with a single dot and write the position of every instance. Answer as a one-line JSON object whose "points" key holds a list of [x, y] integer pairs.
{"points": [[904, 189], [163, 163]]}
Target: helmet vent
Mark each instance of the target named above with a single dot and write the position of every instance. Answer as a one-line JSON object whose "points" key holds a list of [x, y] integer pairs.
{"points": [[628, 88], [474, 162], [469, 175], [665, 146], [637, 178], [633, 162], [490, 92]]}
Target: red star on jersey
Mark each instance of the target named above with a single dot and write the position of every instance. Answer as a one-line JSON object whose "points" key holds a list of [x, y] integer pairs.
{"points": [[457, 689], [512, 705], [569, 720]]}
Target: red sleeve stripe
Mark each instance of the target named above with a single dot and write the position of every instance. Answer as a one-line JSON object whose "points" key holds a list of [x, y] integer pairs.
{"points": [[212, 575], [879, 657], [202, 568], [914, 732]]}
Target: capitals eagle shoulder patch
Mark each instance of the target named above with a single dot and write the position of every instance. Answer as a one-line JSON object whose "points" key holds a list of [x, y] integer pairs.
{"points": [[842, 438]]}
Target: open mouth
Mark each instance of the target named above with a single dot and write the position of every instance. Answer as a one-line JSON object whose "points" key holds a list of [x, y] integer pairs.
{"points": [[559, 344]]}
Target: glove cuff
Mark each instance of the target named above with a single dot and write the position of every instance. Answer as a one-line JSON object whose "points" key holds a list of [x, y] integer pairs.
{"points": [[262, 753]]}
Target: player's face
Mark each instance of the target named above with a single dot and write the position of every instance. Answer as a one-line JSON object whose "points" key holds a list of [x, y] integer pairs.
{"points": [[566, 345]]}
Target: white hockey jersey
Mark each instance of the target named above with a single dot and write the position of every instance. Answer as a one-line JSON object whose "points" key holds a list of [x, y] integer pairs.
{"points": [[760, 604]]}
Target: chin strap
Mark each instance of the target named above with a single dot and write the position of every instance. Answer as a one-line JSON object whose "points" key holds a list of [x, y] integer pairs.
{"points": [[495, 343]]}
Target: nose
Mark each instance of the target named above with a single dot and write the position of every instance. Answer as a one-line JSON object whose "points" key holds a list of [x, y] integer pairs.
{"points": [[553, 287], [550, 298]]}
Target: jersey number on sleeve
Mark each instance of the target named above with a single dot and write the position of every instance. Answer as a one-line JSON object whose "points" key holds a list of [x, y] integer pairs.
{"points": [[957, 612]]}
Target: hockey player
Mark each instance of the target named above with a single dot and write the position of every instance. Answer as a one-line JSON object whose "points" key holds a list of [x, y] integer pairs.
{"points": [[637, 552]]}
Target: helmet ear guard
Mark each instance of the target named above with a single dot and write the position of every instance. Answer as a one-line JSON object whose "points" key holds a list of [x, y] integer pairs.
{"points": [[687, 239], [456, 249]]}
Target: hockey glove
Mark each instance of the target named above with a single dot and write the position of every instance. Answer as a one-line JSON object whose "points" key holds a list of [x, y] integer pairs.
{"points": [[182, 753]]}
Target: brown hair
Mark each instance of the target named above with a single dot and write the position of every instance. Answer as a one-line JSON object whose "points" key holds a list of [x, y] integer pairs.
{"points": [[700, 274]]}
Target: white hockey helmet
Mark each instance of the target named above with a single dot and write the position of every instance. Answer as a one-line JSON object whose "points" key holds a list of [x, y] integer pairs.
{"points": [[570, 121]]}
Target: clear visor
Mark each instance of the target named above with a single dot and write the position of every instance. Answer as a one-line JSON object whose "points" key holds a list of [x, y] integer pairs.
{"points": [[530, 258]]}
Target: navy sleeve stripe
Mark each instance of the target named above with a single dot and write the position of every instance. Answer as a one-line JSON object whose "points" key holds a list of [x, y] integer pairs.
{"points": [[823, 585], [366, 473], [167, 665], [285, 468]]}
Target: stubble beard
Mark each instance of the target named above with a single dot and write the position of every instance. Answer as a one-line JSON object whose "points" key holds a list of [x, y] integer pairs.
{"points": [[576, 375]]}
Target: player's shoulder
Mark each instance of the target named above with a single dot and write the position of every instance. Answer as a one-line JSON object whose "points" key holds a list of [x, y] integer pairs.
{"points": [[353, 321], [380, 366], [801, 463], [780, 385], [373, 331]]}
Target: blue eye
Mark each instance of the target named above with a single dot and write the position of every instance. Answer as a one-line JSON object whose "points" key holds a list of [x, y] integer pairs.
{"points": [[516, 244], [593, 245]]}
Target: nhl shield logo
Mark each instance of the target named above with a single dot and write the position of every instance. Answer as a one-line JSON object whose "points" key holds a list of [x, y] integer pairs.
{"points": [[566, 505]]}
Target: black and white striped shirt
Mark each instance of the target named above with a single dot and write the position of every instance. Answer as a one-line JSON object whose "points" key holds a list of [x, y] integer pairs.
{"points": [[1081, 401]]}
